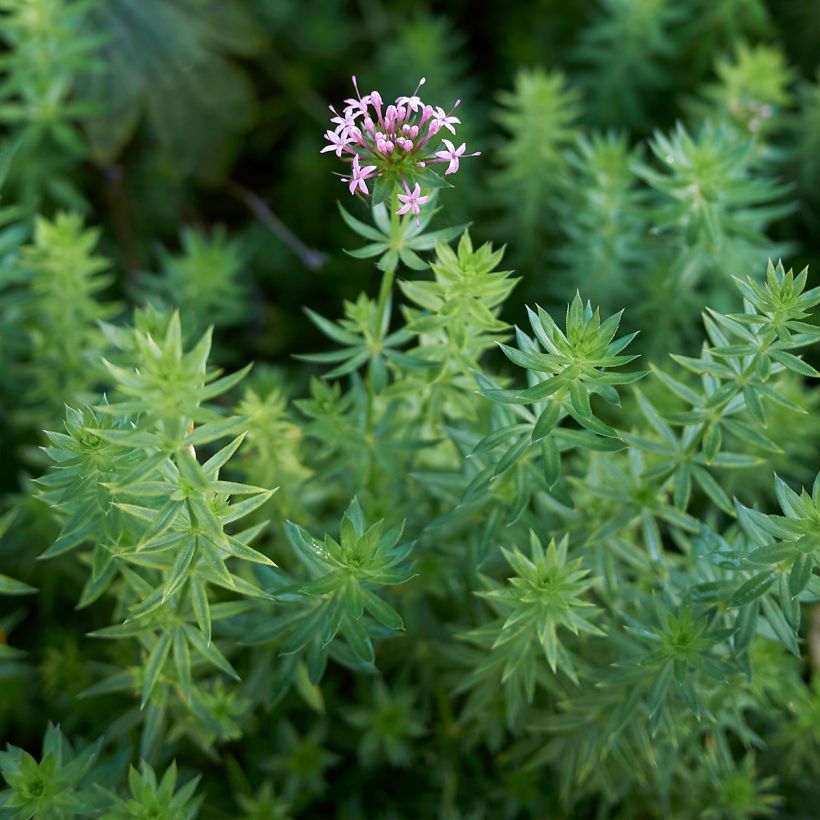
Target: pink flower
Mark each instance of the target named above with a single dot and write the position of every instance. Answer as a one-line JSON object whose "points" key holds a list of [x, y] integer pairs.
{"points": [[359, 176], [412, 200], [452, 155], [356, 107], [444, 120], [413, 102], [343, 122], [338, 142]]}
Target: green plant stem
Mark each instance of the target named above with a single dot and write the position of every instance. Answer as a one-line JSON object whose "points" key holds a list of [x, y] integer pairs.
{"points": [[389, 275], [385, 291]]}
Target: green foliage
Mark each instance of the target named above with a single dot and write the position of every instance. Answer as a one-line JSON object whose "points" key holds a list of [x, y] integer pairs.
{"points": [[203, 281], [48, 51], [159, 800], [389, 724], [458, 320], [345, 574], [168, 61], [751, 91], [438, 554], [712, 207], [623, 54], [538, 117], [576, 364], [544, 599], [398, 240], [51, 295], [603, 218], [55, 787]]}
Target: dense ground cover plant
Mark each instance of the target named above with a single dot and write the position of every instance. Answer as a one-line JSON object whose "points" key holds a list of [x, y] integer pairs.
{"points": [[465, 541]]}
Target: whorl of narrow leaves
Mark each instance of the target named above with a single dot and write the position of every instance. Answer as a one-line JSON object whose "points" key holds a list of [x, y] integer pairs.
{"points": [[366, 340], [54, 290], [784, 551], [345, 575], [48, 51], [58, 785], [751, 91], [750, 348], [539, 116], [66, 783], [458, 317], [152, 798], [707, 195], [566, 368], [203, 281], [390, 724], [545, 599], [603, 217], [161, 520], [398, 240]]}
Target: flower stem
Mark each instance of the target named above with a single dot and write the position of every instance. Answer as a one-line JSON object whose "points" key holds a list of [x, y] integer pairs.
{"points": [[384, 296], [389, 275]]}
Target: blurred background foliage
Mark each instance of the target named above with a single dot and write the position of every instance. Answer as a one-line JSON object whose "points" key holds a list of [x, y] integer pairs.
{"points": [[144, 114]]}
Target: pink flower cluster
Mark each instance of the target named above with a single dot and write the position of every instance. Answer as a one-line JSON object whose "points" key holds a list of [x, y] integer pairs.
{"points": [[397, 140]]}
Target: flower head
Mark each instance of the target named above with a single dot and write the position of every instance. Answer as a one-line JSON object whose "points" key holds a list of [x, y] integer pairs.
{"points": [[398, 141]]}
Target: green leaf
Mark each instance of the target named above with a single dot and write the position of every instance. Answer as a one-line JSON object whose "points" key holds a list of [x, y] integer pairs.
{"points": [[182, 661], [382, 611], [715, 492], [8, 586], [179, 571], [212, 431], [356, 634], [201, 608], [800, 574], [746, 626], [754, 588], [547, 420], [153, 666], [511, 456], [363, 229]]}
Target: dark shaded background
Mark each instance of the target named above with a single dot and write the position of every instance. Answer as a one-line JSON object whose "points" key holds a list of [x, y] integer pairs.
{"points": [[298, 57]]}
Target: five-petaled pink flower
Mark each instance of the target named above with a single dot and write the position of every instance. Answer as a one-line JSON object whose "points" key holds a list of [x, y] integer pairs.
{"points": [[359, 176], [412, 200], [452, 155], [338, 142], [446, 120], [413, 102]]}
